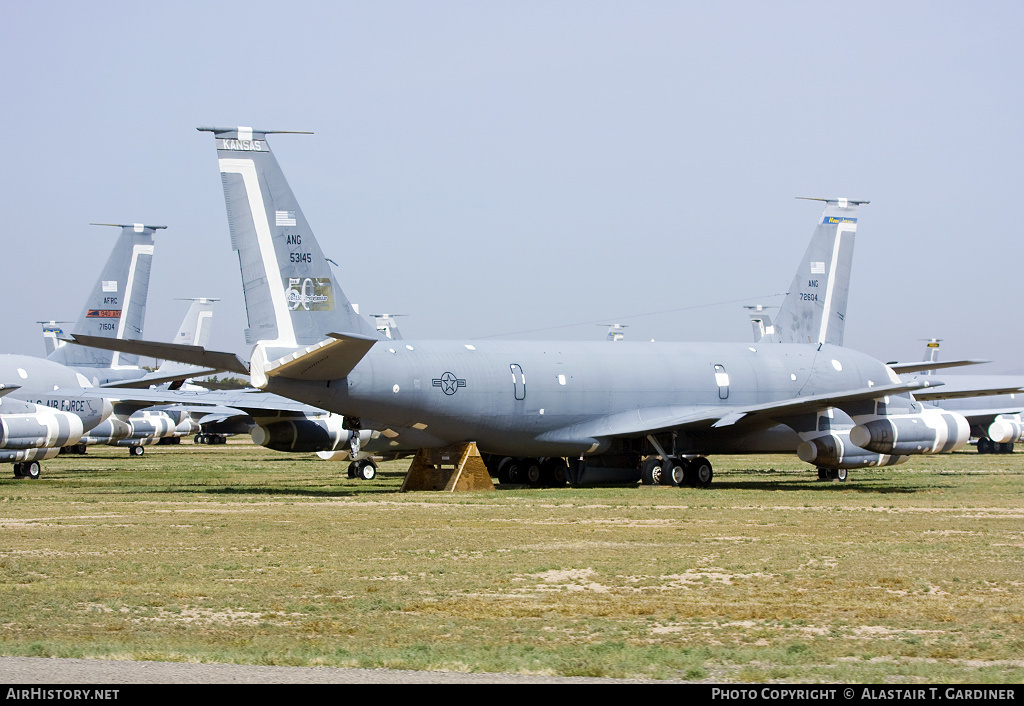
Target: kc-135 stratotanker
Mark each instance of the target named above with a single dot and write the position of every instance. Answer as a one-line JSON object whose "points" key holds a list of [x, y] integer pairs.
{"points": [[544, 412]]}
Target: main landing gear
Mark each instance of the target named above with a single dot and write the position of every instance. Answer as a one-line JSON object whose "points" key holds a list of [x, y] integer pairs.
{"points": [[679, 472], [839, 474], [28, 469], [365, 469], [548, 472], [987, 446]]}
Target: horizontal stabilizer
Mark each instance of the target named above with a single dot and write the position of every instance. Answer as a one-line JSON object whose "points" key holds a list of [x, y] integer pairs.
{"points": [[330, 359], [193, 355], [901, 368]]}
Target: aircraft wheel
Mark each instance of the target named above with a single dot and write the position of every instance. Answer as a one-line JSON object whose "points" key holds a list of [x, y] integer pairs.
{"points": [[553, 471], [531, 472], [984, 445], [18, 473], [676, 471], [367, 470], [701, 472], [136, 450], [824, 473], [505, 466], [651, 471], [842, 474], [515, 471], [353, 469], [31, 469]]}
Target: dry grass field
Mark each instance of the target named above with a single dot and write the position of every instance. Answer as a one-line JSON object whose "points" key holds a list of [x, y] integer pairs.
{"points": [[238, 554]]}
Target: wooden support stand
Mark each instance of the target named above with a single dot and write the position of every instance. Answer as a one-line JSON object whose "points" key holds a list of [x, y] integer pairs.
{"points": [[452, 468]]}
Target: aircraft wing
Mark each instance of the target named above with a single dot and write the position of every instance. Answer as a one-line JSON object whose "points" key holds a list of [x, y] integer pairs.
{"points": [[246, 400], [904, 368], [6, 389], [650, 420], [156, 379], [962, 393], [193, 355]]}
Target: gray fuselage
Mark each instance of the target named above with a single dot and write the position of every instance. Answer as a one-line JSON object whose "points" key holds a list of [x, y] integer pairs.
{"points": [[570, 398]]}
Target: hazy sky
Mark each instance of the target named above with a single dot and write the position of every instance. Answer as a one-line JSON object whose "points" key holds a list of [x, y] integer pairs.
{"points": [[508, 167]]}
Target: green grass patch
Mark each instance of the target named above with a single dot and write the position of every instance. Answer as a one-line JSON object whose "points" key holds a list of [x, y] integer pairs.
{"points": [[242, 555]]}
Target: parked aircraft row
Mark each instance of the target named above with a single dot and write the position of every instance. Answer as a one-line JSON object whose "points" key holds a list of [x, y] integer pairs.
{"points": [[592, 411]]}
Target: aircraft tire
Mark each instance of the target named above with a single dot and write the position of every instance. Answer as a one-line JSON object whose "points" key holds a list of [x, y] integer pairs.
{"points": [[984, 445], [352, 468], [841, 474], [514, 471], [701, 472], [367, 470], [136, 450], [824, 473], [18, 473], [532, 473], [554, 472], [31, 469], [651, 471], [502, 469], [676, 471]]}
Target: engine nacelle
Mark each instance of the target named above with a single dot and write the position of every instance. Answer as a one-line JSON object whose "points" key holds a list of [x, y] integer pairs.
{"points": [[931, 431], [835, 450], [147, 429], [303, 435], [46, 454], [109, 431], [1006, 429], [186, 427], [345, 454], [38, 426]]}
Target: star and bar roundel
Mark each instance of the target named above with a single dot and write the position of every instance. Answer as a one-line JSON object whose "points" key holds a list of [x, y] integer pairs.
{"points": [[448, 383]]}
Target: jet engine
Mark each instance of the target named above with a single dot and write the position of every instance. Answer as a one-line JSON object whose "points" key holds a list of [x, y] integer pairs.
{"points": [[303, 435], [37, 426], [8, 456], [1007, 428], [148, 429], [109, 431], [836, 450], [931, 431]]}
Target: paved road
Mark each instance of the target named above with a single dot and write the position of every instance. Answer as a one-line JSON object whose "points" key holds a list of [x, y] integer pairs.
{"points": [[46, 670]]}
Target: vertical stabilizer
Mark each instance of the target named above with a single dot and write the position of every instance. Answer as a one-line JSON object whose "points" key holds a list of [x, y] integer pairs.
{"points": [[53, 335], [814, 310], [116, 307], [291, 296], [931, 353], [194, 331]]}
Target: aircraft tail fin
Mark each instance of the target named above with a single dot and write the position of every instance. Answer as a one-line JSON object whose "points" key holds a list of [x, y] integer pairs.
{"points": [[814, 310], [53, 335], [760, 322], [194, 331], [292, 297], [116, 307]]}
